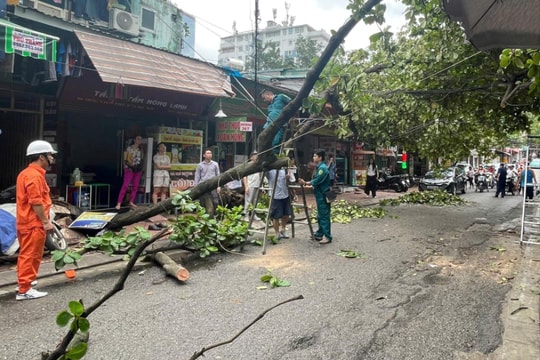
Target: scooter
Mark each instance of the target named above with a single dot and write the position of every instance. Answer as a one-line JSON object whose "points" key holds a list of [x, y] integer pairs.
{"points": [[490, 180], [510, 186], [10, 244], [481, 183], [398, 183]]}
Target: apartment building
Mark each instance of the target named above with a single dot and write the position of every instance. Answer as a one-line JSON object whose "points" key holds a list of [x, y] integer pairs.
{"points": [[237, 48]]}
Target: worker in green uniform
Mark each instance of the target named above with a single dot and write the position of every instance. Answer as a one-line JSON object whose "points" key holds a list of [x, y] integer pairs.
{"points": [[321, 184]]}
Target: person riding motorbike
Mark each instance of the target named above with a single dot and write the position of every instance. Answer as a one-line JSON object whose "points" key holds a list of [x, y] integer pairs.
{"points": [[480, 179], [511, 178]]}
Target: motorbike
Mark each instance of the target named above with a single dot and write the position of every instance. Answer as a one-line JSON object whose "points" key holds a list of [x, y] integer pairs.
{"points": [[398, 183], [490, 180], [481, 183], [53, 241], [510, 186]]}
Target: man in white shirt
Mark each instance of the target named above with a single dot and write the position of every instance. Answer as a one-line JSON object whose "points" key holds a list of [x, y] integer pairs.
{"points": [[206, 170]]}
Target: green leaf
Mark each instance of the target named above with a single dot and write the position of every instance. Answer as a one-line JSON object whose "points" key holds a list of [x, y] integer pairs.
{"points": [[76, 308], [283, 283], [57, 255], [84, 324], [266, 278], [63, 318], [77, 352]]}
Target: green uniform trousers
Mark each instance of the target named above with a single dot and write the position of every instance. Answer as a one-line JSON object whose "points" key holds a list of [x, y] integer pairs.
{"points": [[323, 216]]}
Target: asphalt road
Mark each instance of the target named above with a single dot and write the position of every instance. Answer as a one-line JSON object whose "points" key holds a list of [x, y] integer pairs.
{"points": [[428, 287]]}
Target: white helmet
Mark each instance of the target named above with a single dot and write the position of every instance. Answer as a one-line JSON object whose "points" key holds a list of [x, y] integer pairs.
{"points": [[39, 147]]}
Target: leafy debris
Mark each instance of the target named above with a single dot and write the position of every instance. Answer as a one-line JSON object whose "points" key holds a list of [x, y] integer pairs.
{"points": [[435, 198]]}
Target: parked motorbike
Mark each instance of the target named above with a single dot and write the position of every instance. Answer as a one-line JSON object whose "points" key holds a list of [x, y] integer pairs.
{"points": [[54, 240], [481, 183], [398, 183]]}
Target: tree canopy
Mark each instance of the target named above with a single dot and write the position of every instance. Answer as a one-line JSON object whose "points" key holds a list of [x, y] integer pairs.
{"points": [[429, 91]]}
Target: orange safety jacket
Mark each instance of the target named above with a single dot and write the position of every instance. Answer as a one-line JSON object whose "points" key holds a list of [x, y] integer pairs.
{"points": [[32, 189]]}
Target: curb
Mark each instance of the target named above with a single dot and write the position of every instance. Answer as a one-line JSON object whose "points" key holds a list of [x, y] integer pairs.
{"points": [[90, 265]]}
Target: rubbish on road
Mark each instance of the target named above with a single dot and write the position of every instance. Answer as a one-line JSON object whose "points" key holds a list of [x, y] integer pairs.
{"points": [[70, 273], [171, 267]]}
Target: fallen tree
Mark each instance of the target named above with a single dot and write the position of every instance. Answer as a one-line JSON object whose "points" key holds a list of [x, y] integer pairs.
{"points": [[266, 159]]}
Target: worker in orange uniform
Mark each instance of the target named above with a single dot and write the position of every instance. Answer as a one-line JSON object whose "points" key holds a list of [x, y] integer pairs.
{"points": [[33, 222]]}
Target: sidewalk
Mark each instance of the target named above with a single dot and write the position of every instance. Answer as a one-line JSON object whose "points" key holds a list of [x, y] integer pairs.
{"points": [[521, 313]]}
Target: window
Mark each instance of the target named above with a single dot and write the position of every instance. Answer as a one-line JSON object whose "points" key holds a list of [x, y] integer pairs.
{"points": [[148, 19], [299, 30]]}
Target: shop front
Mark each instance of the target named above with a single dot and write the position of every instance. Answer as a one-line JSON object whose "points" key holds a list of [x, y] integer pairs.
{"points": [[27, 102]]}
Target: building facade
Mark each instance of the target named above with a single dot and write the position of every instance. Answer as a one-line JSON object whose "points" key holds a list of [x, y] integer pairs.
{"points": [[241, 45], [89, 75]]}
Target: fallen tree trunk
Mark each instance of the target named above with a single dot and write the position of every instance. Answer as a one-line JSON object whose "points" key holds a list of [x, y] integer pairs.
{"points": [[173, 269], [266, 159]]}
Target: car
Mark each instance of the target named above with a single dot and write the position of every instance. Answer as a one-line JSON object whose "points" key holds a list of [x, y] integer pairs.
{"points": [[452, 179], [465, 166]]}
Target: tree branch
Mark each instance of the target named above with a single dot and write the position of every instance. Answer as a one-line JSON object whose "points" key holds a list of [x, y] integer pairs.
{"points": [[61, 349], [203, 350]]}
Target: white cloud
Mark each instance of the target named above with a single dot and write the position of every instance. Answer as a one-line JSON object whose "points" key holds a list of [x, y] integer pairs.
{"points": [[215, 19]]}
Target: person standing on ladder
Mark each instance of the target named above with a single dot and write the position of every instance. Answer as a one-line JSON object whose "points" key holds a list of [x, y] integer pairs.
{"points": [[321, 184], [276, 103], [280, 205]]}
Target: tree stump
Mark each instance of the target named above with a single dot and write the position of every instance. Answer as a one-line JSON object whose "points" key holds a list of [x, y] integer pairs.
{"points": [[171, 267]]}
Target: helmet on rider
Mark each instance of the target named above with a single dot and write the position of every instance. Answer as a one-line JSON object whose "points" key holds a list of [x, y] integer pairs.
{"points": [[39, 147]]}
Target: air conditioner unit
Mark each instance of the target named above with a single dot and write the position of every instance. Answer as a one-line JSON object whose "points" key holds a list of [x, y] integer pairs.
{"points": [[124, 22]]}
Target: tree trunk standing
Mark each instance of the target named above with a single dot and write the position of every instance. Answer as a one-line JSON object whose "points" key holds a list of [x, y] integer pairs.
{"points": [[266, 159]]}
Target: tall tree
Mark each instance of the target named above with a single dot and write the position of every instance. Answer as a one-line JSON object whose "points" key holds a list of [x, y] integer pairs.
{"points": [[268, 57], [426, 89], [307, 51]]}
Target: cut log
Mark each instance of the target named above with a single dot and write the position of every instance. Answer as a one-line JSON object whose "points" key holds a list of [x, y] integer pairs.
{"points": [[171, 267]]}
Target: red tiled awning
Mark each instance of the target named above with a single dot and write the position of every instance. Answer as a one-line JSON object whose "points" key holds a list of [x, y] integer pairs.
{"points": [[124, 62]]}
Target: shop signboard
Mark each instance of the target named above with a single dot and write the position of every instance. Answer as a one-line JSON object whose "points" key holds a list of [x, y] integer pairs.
{"points": [[360, 158], [92, 220], [231, 129], [184, 148]]}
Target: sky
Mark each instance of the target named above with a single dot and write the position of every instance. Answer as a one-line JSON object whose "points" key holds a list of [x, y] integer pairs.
{"points": [[214, 19]]}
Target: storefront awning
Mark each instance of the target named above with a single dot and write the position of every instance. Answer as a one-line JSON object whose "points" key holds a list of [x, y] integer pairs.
{"points": [[493, 24], [15, 39], [124, 62]]}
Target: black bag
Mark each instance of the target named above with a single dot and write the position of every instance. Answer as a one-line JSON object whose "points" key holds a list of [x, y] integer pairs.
{"points": [[136, 168], [330, 196]]}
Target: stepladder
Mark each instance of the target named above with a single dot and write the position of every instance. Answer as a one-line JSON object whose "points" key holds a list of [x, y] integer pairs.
{"points": [[278, 188]]}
